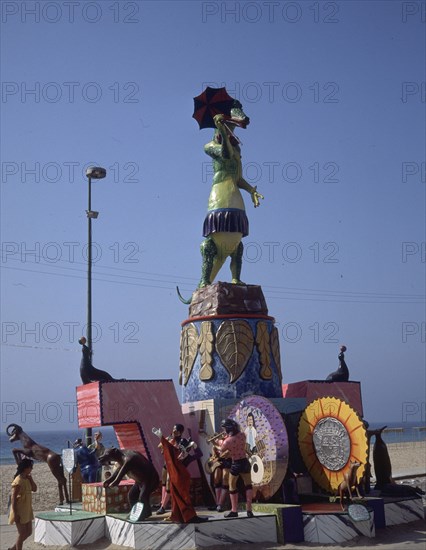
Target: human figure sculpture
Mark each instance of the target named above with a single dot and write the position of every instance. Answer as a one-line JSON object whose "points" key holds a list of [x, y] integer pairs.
{"points": [[88, 372], [137, 467], [182, 509], [342, 373], [87, 461], [33, 450], [177, 440], [99, 449], [219, 471], [226, 221], [234, 447]]}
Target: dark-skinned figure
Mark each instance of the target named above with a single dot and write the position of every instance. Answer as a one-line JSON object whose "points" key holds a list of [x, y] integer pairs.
{"points": [[31, 449], [180, 480], [137, 467]]}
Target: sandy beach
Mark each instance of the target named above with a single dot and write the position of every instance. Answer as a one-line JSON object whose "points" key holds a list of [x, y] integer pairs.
{"points": [[408, 459]]}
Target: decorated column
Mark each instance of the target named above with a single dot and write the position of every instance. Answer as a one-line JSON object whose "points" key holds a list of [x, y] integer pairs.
{"points": [[229, 345]]}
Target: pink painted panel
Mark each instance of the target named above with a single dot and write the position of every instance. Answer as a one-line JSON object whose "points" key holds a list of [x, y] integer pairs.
{"points": [[88, 405], [129, 437]]}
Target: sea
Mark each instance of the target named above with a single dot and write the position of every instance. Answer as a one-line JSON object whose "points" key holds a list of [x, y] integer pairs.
{"points": [[58, 440], [55, 440]]}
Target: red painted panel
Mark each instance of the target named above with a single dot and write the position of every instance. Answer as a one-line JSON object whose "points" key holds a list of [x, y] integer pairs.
{"points": [[350, 392], [129, 437], [88, 405]]}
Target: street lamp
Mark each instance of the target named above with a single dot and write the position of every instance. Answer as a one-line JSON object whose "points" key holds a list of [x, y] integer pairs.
{"points": [[96, 173]]}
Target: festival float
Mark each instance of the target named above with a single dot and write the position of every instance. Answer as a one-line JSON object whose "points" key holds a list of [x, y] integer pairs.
{"points": [[307, 442]]}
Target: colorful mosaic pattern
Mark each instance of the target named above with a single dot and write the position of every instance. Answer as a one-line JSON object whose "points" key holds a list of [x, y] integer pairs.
{"points": [[101, 500]]}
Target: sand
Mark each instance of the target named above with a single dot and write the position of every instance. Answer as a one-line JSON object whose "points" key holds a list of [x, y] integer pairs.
{"points": [[406, 458]]}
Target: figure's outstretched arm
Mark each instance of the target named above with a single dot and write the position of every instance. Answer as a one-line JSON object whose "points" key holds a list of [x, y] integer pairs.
{"points": [[255, 196]]}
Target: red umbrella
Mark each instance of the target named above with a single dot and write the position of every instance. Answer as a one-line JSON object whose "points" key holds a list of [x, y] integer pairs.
{"points": [[211, 102]]}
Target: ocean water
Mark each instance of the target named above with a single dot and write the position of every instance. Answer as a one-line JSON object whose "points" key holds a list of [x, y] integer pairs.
{"points": [[58, 440], [54, 440]]}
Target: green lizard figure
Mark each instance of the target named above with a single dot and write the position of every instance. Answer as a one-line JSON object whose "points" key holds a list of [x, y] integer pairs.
{"points": [[226, 221]]}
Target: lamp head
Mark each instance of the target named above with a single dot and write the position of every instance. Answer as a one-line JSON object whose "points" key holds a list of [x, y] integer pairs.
{"points": [[95, 172]]}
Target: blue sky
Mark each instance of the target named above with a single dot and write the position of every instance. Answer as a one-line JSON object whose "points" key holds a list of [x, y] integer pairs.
{"points": [[336, 95]]}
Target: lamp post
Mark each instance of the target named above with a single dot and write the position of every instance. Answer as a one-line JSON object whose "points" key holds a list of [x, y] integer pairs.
{"points": [[94, 172]]}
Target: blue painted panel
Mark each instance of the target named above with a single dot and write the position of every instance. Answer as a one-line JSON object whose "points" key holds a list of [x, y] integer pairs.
{"points": [[219, 386]]}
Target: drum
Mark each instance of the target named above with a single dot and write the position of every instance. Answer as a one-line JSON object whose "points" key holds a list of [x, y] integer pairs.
{"points": [[257, 469]]}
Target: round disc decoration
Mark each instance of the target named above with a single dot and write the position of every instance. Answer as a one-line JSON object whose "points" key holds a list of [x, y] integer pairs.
{"points": [[331, 438], [267, 443]]}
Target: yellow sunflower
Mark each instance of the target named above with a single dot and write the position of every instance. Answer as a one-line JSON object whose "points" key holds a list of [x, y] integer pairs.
{"points": [[331, 436]]}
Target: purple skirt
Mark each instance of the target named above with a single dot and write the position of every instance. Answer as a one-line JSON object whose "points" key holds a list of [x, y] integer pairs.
{"points": [[226, 220]]}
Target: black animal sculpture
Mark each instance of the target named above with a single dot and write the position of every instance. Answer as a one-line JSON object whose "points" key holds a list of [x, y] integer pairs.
{"points": [[383, 471], [88, 372], [342, 373], [381, 460], [366, 478], [31, 449], [136, 467]]}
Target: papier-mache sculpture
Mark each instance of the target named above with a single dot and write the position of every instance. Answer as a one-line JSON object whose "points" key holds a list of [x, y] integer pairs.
{"points": [[226, 221], [31, 449], [342, 373], [88, 372], [137, 467]]}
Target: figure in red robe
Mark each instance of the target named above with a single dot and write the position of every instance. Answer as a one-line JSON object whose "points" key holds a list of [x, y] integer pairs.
{"points": [[180, 482]]}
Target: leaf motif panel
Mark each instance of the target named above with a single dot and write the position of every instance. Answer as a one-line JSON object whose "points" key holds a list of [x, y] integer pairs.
{"points": [[264, 349], [234, 345], [206, 346], [276, 354], [188, 351]]}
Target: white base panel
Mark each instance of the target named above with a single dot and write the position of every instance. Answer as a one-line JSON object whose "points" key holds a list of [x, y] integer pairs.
{"points": [[68, 533], [335, 528], [170, 536], [403, 511]]}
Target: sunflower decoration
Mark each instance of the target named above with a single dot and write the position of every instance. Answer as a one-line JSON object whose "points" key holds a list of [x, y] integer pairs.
{"points": [[331, 437]]}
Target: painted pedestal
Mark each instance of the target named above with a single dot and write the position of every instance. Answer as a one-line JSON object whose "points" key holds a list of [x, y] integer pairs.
{"points": [[82, 528], [106, 500], [60, 529], [229, 345], [335, 527]]}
